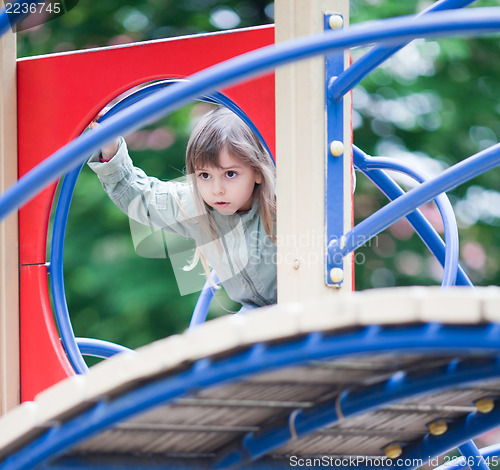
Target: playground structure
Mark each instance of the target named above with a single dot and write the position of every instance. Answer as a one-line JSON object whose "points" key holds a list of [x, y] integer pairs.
{"points": [[312, 376]]}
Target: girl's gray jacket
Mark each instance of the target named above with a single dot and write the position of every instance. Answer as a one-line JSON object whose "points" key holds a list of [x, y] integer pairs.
{"points": [[243, 256]]}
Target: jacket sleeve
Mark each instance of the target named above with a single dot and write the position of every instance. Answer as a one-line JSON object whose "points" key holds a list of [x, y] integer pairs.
{"points": [[158, 204]]}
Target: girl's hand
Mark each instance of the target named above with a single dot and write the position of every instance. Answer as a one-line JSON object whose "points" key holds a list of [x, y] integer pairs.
{"points": [[108, 151]]}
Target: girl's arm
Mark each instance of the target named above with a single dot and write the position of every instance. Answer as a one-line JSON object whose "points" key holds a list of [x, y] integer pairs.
{"points": [[151, 202]]}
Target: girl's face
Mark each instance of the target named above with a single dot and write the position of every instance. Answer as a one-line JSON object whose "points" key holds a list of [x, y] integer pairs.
{"points": [[229, 188]]}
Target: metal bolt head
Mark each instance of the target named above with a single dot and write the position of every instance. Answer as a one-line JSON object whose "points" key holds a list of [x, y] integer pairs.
{"points": [[437, 428], [485, 405], [336, 148], [336, 21], [337, 275], [393, 451]]}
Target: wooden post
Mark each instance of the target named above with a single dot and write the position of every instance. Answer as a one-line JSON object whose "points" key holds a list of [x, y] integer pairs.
{"points": [[9, 246], [300, 156]]}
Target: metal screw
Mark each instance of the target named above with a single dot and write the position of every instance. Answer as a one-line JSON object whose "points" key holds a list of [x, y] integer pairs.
{"points": [[437, 428], [296, 264], [336, 21], [485, 405], [393, 451], [337, 275], [336, 148]]}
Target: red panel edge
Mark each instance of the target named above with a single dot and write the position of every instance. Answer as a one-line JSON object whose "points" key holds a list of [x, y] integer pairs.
{"points": [[43, 360]]}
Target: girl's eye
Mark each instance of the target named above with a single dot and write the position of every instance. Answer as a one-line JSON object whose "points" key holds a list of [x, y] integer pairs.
{"points": [[231, 174], [204, 176]]}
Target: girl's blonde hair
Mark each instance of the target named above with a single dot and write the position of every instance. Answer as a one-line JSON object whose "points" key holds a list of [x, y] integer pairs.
{"points": [[222, 129]]}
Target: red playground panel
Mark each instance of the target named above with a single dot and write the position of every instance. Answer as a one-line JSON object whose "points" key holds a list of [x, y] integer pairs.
{"points": [[58, 95]]}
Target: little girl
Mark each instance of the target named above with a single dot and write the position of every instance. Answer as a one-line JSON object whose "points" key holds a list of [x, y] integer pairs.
{"points": [[226, 204]]}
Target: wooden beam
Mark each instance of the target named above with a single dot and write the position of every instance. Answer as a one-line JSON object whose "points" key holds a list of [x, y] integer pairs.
{"points": [[300, 156], [9, 247]]}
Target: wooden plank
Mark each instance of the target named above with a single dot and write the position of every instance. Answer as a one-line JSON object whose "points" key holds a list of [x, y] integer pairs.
{"points": [[300, 149], [9, 247]]}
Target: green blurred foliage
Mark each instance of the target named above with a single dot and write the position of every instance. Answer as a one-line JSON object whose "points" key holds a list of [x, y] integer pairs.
{"points": [[434, 103]]}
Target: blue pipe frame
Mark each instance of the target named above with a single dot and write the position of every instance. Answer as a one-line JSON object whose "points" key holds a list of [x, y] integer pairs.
{"points": [[67, 188], [447, 254], [350, 77], [453, 24], [204, 300], [70, 345], [243, 67], [262, 357], [473, 457], [427, 191], [99, 348]]}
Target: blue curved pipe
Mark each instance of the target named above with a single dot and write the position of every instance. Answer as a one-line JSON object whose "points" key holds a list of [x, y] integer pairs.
{"points": [[367, 163], [99, 348], [245, 66], [421, 225], [61, 311], [204, 300], [215, 97], [473, 456], [56, 268], [350, 77], [267, 357], [399, 208]]}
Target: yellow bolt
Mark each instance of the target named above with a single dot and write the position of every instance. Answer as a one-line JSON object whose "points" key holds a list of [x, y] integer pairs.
{"points": [[336, 148], [336, 21], [437, 428], [485, 405], [393, 451], [337, 275]]}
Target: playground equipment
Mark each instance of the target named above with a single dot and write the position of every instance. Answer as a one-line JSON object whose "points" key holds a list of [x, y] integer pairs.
{"points": [[326, 378]]}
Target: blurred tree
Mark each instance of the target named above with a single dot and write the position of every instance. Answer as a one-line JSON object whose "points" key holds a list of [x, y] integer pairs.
{"points": [[433, 104]]}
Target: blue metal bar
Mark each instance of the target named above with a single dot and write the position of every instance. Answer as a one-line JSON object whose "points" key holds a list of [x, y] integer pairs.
{"points": [[99, 348], [395, 210], [365, 162], [421, 225], [267, 357], [430, 447], [201, 308], [236, 69], [467, 428], [334, 164], [56, 268], [348, 79], [215, 97], [473, 457]]}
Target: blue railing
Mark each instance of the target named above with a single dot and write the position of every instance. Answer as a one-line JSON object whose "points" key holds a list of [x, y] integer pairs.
{"points": [[164, 101], [427, 191], [348, 79], [447, 254]]}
